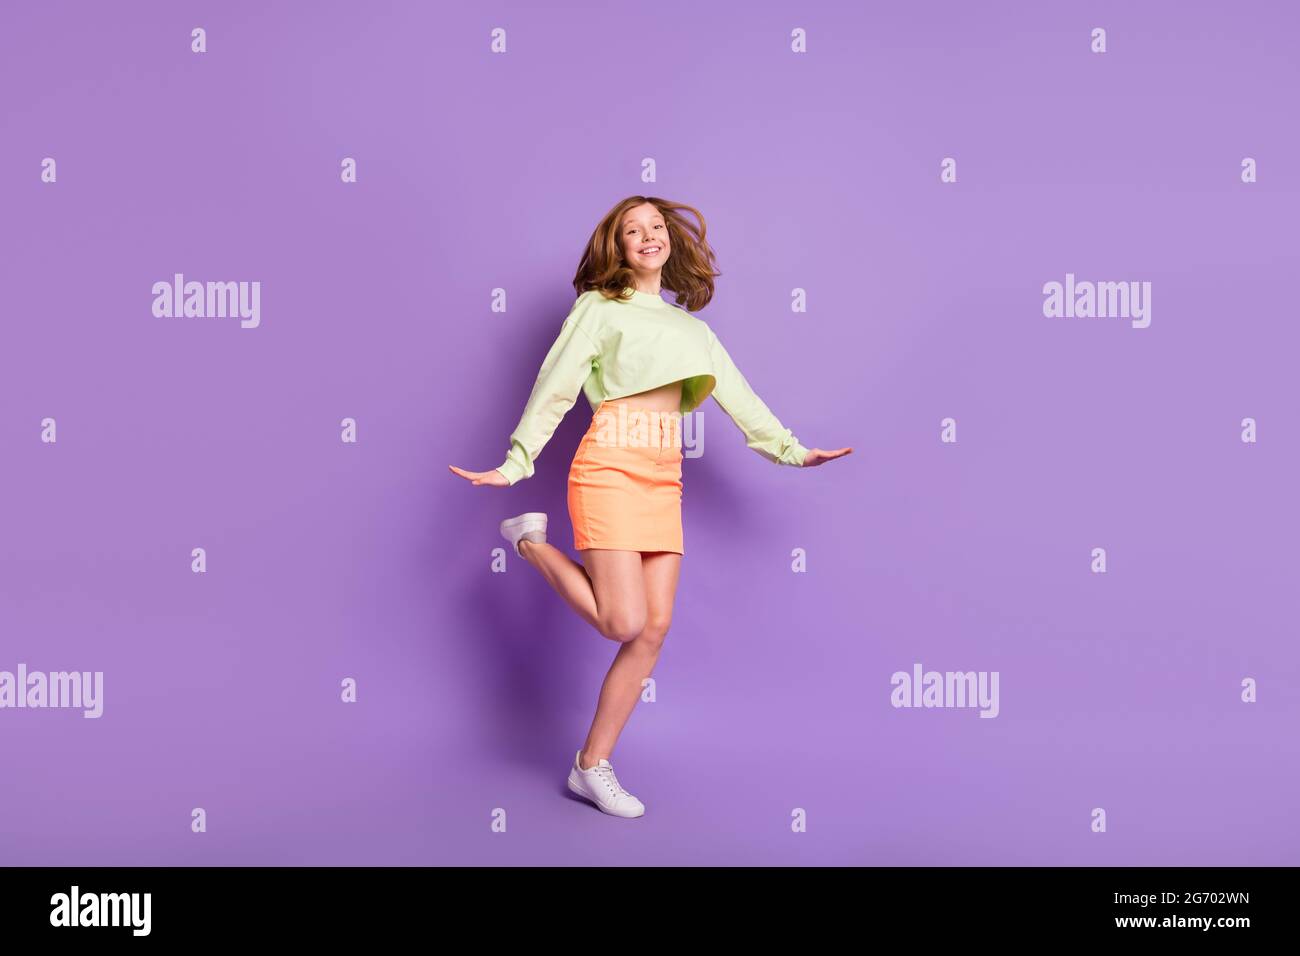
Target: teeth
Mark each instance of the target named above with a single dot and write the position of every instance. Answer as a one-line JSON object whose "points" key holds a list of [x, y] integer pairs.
{"points": [[646, 252]]}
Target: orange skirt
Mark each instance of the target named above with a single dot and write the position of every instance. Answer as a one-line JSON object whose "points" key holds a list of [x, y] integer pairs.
{"points": [[625, 483]]}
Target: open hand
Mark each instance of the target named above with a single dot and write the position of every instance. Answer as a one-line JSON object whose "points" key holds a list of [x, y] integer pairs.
{"points": [[816, 456], [492, 477]]}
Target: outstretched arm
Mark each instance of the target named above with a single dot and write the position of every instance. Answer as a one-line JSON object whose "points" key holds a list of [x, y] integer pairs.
{"points": [[565, 368], [763, 430]]}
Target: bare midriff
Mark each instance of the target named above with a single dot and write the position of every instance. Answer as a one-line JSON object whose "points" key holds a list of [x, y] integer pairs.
{"points": [[664, 398]]}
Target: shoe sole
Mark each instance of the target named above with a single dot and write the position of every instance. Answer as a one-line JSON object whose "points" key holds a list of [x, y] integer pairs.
{"points": [[596, 803], [520, 519], [510, 524]]}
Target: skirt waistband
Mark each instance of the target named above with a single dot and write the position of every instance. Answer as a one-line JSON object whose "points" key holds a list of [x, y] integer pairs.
{"points": [[621, 422]]}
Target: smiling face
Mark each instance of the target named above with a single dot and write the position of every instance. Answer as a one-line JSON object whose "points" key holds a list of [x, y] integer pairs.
{"points": [[645, 241]]}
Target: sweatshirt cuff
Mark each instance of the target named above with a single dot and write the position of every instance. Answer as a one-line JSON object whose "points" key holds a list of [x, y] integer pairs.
{"points": [[512, 470], [795, 456]]}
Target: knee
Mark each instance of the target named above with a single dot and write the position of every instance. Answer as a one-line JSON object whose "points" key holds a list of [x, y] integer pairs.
{"points": [[622, 627], [655, 630]]}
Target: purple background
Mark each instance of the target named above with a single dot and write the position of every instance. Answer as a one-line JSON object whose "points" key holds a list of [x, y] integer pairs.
{"points": [[818, 171]]}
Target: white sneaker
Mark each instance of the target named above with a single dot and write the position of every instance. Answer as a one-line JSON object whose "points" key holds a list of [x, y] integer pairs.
{"points": [[512, 529], [601, 787]]}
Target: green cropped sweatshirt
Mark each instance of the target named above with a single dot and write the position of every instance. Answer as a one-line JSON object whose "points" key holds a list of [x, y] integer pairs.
{"points": [[611, 348]]}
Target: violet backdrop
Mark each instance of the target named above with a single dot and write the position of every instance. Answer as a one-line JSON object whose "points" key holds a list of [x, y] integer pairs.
{"points": [[817, 171]]}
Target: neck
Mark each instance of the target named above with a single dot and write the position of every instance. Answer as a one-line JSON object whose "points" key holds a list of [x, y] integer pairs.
{"points": [[649, 284]]}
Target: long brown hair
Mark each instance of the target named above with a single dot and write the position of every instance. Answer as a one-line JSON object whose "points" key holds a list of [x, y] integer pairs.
{"points": [[689, 271]]}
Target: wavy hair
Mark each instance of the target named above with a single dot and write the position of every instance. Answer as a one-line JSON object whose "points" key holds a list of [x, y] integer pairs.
{"points": [[689, 271]]}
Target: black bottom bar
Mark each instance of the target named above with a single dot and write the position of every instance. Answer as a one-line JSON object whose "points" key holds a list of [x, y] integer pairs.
{"points": [[378, 904]]}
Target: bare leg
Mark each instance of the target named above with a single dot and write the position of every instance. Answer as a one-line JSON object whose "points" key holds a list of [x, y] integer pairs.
{"points": [[636, 659], [568, 577], [608, 593]]}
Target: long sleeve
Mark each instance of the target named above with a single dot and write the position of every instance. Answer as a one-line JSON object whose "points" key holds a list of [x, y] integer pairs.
{"points": [[763, 431], [563, 372]]}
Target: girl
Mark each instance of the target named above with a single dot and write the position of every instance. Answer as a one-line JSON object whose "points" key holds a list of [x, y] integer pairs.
{"points": [[642, 363]]}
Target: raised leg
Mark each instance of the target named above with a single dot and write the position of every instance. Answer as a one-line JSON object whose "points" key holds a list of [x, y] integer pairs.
{"points": [[609, 593]]}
